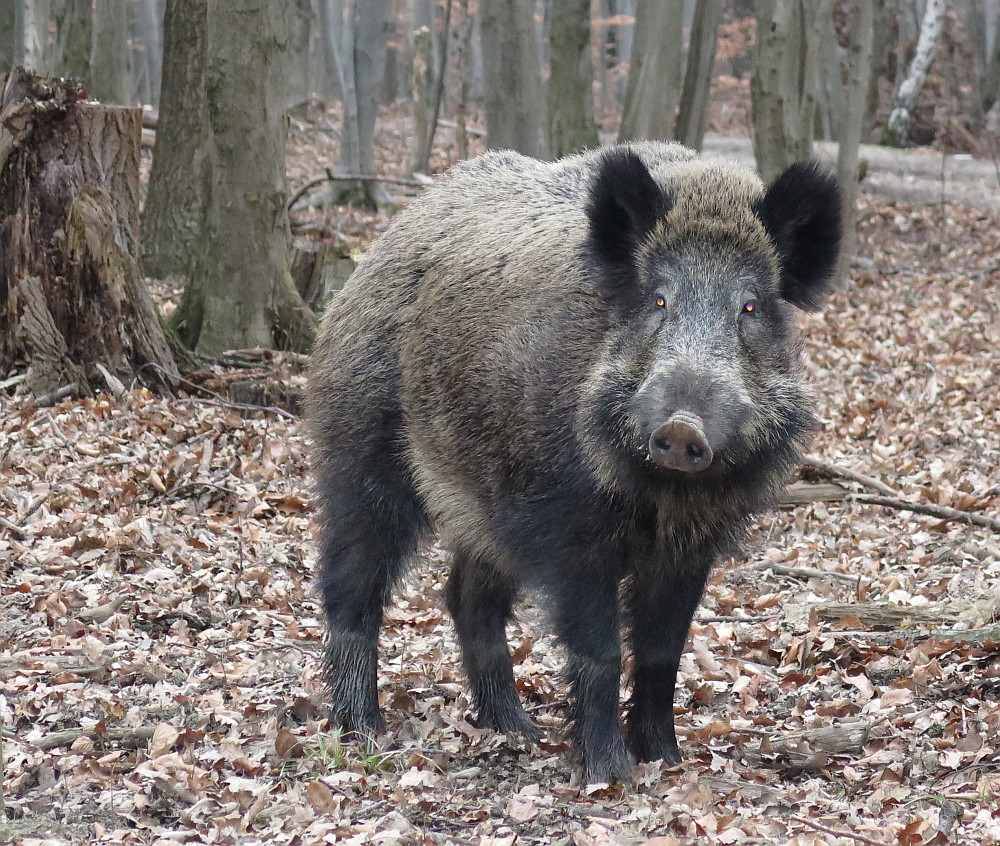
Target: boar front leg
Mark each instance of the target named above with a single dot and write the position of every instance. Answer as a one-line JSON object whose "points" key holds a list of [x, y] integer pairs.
{"points": [[587, 622], [662, 604]]}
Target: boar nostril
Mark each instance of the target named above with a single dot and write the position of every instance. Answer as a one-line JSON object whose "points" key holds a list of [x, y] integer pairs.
{"points": [[680, 444]]}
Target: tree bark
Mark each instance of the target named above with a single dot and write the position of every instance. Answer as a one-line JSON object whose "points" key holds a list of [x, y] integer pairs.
{"points": [[991, 76], [571, 83], [693, 115], [901, 115], [149, 28], [7, 30], [241, 292], [514, 98], [172, 213], [783, 87], [859, 69], [71, 292], [463, 47], [372, 27], [74, 34], [421, 94], [650, 113], [300, 22], [109, 71]]}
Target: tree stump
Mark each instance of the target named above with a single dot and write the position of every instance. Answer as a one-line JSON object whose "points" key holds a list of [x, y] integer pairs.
{"points": [[72, 296]]}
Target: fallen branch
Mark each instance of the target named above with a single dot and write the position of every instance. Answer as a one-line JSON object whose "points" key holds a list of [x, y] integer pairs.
{"points": [[942, 512], [129, 738], [836, 832], [804, 572], [989, 634], [13, 528], [836, 471], [354, 177], [802, 494]]}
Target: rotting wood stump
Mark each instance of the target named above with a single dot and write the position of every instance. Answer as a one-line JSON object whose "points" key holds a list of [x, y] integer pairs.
{"points": [[72, 296]]}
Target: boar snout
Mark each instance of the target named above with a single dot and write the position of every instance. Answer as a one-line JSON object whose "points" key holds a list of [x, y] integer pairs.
{"points": [[680, 444]]}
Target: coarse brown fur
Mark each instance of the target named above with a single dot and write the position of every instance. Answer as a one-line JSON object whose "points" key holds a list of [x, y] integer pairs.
{"points": [[486, 373]]}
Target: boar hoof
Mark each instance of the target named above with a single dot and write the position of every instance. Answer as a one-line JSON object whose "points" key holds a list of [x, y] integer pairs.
{"points": [[511, 720], [680, 444], [614, 768]]}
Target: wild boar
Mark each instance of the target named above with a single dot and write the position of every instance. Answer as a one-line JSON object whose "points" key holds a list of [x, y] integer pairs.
{"points": [[584, 375]]}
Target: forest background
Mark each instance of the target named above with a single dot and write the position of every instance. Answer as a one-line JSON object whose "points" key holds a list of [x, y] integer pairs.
{"points": [[161, 272]]}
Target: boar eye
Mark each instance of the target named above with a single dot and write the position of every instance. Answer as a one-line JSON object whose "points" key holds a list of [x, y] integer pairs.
{"points": [[661, 301], [750, 307]]}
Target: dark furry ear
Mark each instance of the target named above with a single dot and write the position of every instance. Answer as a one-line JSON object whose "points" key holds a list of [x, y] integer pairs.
{"points": [[625, 203], [801, 211]]}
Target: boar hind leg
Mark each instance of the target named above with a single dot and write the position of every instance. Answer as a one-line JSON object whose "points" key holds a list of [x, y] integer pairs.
{"points": [[372, 521], [661, 611], [480, 599]]}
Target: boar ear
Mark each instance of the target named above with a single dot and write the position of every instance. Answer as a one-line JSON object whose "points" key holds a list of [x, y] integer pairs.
{"points": [[801, 211], [625, 203]]}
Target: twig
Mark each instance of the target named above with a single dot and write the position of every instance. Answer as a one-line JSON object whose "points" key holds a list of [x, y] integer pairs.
{"points": [[354, 177], [837, 471], [13, 381], [942, 512], [13, 528], [804, 572], [731, 619], [836, 833], [450, 124], [133, 738], [52, 397], [222, 401]]}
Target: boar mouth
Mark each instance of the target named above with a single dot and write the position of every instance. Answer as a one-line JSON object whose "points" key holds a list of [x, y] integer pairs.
{"points": [[680, 444]]}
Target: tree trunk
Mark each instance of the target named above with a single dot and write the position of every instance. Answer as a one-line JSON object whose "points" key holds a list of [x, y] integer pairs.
{"points": [[71, 292], [650, 113], [148, 26], [74, 34], [300, 20], [8, 22], [571, 83], [859, 68], [991, 76], [372, 28], [783, 87], [693, 116], [241, 293], [832, 104], [463, 49], [331, 18], [421, 95], [109, 71], [514, 98], [172, 213], [905, 100]]}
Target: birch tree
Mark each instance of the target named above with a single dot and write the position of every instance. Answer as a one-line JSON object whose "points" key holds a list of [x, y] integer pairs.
{"points": [[905, 100]]}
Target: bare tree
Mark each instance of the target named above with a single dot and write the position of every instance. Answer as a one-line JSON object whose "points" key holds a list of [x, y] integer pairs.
{"points": [[172, 214], [514, 98], [906, 96], [693, 115], [571, 95], [783, 87], [862, 16], [73, 36], [241, 292], [654, 72], [30, 26], [109, 70]]}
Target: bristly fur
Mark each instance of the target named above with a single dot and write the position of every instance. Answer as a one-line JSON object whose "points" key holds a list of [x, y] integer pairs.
{"points": [[485, 374]]}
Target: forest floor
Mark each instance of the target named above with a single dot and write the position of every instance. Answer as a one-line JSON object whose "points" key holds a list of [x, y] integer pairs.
{"points": [[160, 640]]}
